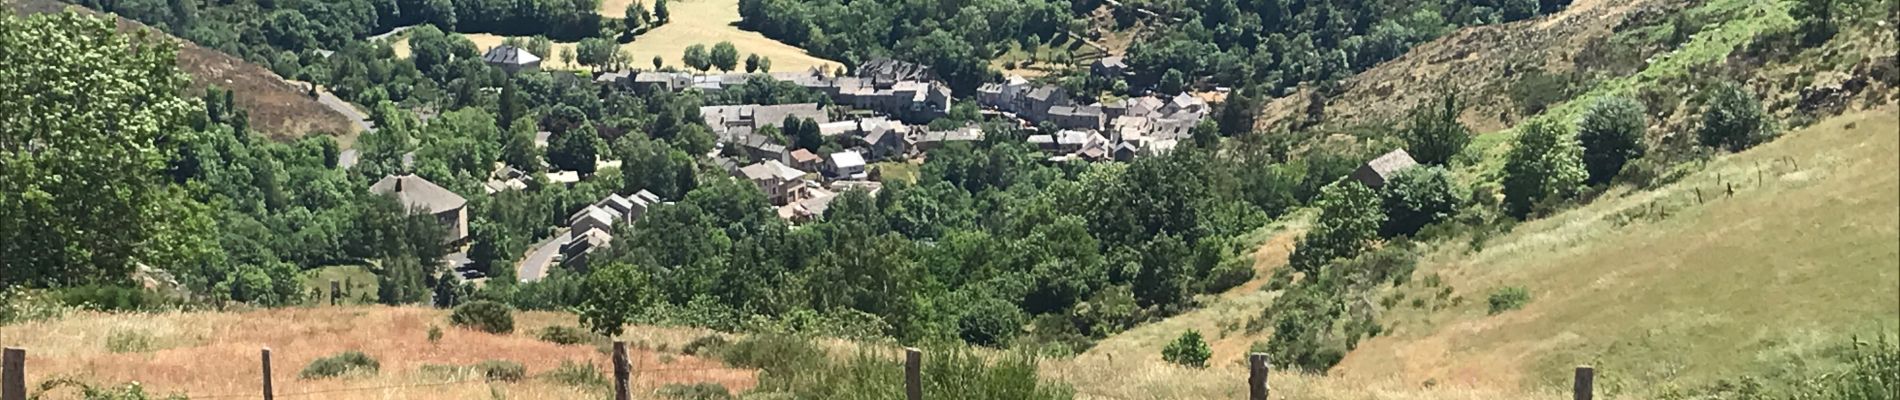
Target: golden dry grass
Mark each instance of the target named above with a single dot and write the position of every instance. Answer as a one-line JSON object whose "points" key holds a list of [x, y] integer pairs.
{"points": [[216, 353], [706, 22]]}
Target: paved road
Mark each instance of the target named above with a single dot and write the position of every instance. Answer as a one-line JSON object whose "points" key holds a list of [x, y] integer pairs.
{"points": [[536, 265], [343, 107]]}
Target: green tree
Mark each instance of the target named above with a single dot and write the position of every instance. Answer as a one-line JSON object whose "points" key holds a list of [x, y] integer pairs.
{"points": [[765, 64], [1188, 350], [1418, 197], [1348, 223], [660, 12], [695, 56], [595, 52], [724, 56], [1733, 120], [1173, 81], [615, 293], [752, 63], [575, 150], [1611, 134], [1435, 134], [1545, 165], [429, 48], [518, 148], [82, 112]]}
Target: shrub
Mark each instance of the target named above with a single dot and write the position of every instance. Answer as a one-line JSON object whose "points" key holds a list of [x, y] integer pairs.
{"points": [[772, 353], [435, 334], [581, 375], [1733, 120], [1188, 350], [1611, 133], [349, 362], [704, 345], [697, 391], [502, 370], [485, 316], [567, 335], [1509, 298], [990, 322], [1418, 197], [129, 341]]}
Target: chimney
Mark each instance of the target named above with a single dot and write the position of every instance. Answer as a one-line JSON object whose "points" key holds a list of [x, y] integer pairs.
{"points": [[399, 184]]}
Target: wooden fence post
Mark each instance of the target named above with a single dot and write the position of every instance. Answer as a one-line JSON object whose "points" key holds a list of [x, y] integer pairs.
{"points": [[269, 393], [13, 374], [913, 373], [1585, 388], [621, 373], [1257, 369]]}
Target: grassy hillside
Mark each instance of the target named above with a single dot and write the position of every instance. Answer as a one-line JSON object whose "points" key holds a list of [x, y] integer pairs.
{"points": [[216, 353], [277, 108], [1661, 291]]}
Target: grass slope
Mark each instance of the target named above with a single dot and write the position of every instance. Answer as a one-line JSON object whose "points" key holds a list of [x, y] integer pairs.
{"points": [[1659, 291], [216, 353]]}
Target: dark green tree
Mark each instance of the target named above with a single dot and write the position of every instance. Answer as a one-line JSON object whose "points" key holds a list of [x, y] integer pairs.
{"points": [[1435, 135], [615, 292], [723, 56], [695, 56], [575, 150], [1611, 134], [1732, 120]]}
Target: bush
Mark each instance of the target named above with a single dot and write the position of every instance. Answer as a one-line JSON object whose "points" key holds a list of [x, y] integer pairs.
{"points": [[349, 362], [129, 341], [1733, 120], [435, 334], [990, 322], [1544, 166], [485, 316], [502, 370], [1509, 298], [1611, 133], [1418, 197], [772, 353], [1188, 350], [697, 391], [704, 345], [568, 335], [580, 375], [1435, 134]]}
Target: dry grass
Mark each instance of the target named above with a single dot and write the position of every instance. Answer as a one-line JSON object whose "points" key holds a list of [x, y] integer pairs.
{"points": [[704, 22], [216, 353], [1741, 284]]}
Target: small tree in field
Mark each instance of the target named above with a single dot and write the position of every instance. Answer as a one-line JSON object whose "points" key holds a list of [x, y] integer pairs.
{"points": [[1544, 165], [1733, 120], [1188, 350], [1611, 133], [1435, 134], [724, 56], [696, 58]]}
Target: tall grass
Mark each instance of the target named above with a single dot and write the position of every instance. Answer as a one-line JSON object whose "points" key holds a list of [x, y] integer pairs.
{"points": [[799, 369]]}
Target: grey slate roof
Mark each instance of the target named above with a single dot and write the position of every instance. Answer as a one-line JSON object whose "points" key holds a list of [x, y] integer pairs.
{"points": [[415, 192], [510, 55]]}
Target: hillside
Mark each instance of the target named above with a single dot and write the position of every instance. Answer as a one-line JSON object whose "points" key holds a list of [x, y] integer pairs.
{"points": [[1658, 291], [215, 354], [278, 108]]}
